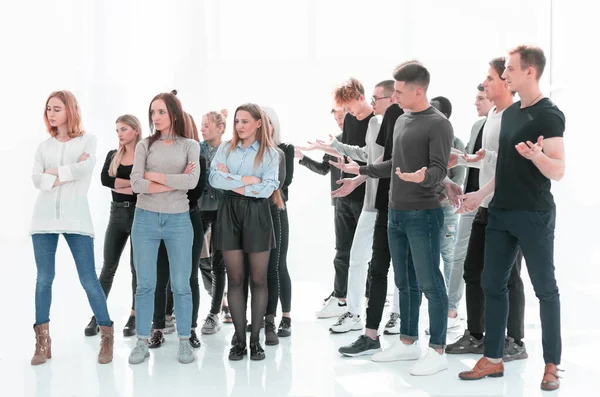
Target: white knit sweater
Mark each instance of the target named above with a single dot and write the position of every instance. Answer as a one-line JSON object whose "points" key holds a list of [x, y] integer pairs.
{"points": [[64, 208]]}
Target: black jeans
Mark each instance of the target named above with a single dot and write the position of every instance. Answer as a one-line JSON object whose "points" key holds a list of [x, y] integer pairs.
{"points": [[473, 270], [533, 231], [216, 266], [378, 271], [117, 233], [278, 277], [162, 276], [347, 212]]}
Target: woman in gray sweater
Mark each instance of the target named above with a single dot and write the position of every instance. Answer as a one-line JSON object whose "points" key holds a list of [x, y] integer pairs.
{"points": [[163, 171]]}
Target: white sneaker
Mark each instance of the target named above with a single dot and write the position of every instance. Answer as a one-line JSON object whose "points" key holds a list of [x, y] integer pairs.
{"points": [[398, 352], [347, 322], [454, 324], [431, 363], [332, 308]]}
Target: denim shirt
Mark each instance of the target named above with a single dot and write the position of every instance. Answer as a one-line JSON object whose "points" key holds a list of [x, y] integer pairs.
{"points": [[240, 162], [211, 197]]}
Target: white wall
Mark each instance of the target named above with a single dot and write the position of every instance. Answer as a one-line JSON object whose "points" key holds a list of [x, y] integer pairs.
{"points": [[116, 55]]}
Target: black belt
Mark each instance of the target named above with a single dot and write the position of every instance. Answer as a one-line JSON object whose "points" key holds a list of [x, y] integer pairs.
{"points": [[122, 204], [231, 193]]}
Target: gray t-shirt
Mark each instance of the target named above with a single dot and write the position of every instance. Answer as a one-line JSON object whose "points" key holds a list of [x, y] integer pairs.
{"points": [[421, 139], [170, 159]]}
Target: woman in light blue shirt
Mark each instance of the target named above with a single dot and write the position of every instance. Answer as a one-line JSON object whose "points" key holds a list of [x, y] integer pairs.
{"points": [[246, 169]]}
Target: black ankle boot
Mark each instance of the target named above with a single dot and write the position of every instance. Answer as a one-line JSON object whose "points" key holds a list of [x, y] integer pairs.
{"points": [[129, 329], [285, 327], [92, 328]]}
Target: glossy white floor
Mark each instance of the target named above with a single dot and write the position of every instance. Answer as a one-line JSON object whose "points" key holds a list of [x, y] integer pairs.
{"points": [[307, 364]]}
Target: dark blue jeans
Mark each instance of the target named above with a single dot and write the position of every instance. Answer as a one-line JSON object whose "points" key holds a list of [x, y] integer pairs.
{"points": [[533, 231], [414, 240], [82, 249]]}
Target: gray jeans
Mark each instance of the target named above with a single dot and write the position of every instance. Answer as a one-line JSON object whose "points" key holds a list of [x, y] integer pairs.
{"points": [[454, 278]]}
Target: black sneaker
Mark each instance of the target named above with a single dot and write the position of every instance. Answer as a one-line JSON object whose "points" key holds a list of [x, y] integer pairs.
{"points": [[467, 344], [249, 326], [256, 351], [129, 329], [285, 327], [238, 351], [92, 328], [156, 339], [194, 341], [363, 346], [512, 351]]}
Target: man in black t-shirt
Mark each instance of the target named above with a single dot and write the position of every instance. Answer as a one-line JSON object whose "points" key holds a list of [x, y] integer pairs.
{"points": [[522, 213], [351, 97]]}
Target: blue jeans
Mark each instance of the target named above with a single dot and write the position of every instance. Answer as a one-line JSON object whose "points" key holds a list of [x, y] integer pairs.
{"points": [[149, 228], [82, 249], [414, 240]]}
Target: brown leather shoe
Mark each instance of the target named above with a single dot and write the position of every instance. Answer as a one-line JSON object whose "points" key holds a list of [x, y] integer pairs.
{"points": [[43, 344], [107, 341], [551, 380], [483, 368]]}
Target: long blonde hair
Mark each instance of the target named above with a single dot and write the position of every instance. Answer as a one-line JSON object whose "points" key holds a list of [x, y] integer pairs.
{"points": [[134, 123]]}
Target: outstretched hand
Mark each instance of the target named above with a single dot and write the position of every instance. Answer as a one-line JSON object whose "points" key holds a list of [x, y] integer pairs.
{"points": [[348, 186], [351, 167], [473, 158], [531, 150], [414, 177]]}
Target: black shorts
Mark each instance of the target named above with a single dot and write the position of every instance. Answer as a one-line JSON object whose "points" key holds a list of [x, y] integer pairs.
{"points": [[244, 223]]}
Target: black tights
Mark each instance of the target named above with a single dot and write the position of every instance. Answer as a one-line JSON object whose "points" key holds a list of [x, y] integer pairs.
{"points": [[258, 264]]}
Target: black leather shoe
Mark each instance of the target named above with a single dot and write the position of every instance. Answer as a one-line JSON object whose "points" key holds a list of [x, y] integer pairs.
{"points": [[156, 340], [238, 351], [129, 329], [92, 328], [194, 341], [256, 351]]}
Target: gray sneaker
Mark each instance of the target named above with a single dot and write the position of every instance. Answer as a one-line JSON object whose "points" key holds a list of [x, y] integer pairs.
{"points": [[169, 324], [185, 355], [139, 353], [467, 344], [512, 351], [363, 346], [212, 324]]}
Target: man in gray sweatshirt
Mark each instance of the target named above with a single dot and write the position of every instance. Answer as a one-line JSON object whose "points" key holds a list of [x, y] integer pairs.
{"points": [[422, 141]]}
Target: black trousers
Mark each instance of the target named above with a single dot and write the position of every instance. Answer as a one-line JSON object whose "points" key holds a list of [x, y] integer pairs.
{"points": [[115, 239], [378, 271], [533, 232], [347, 212], [213, 265], [279, 283], [162, 276], [475, 297]]}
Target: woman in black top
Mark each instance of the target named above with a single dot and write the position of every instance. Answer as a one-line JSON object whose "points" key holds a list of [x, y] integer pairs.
{"points": [[278, 278], [115, 175]]}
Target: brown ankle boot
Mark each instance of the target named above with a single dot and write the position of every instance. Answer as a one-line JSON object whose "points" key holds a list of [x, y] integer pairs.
{"points": [[551, 380], [43, 343], [107, 341]]}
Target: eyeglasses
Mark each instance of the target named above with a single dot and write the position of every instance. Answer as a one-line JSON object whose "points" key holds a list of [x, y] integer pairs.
{"points": [[375, 99]]}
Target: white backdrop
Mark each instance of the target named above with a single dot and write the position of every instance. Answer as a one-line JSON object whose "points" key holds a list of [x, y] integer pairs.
{"points": [[116, 55]]}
